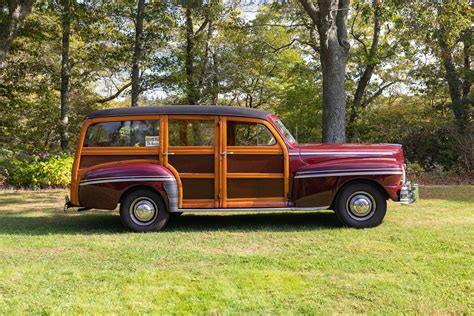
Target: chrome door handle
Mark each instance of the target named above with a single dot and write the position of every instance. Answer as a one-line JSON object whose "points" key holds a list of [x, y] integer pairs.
{"points": [[168, 154], [225, 153]]}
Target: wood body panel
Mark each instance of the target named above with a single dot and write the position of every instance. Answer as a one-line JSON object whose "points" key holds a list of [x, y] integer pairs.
{"points": [[202, 173]]}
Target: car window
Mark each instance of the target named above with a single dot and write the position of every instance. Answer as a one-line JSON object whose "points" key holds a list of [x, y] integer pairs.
{"points": [[124, 134], [190, 133], [285, 132], [248, 134]]}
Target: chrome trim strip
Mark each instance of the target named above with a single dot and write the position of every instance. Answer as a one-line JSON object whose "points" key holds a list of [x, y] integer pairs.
{"points": [[340, 174], [251, 209], [342, 153], [387, 158], [129, 179], [348, 170]]}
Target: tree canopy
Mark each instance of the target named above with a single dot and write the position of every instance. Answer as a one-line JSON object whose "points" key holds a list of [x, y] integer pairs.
{"points": [[401, 70]]}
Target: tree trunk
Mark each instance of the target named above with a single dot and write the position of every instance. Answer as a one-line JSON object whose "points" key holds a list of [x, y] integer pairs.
{"points": [[65, 72], [137, 52], [191, 93], [215, 79], [17, 11], [454, 85], [330, 19], [459, 91], [334, 50]]}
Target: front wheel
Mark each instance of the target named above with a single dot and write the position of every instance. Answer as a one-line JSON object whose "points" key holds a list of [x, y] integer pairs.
{"points": [[361, 205], [143, 211]]}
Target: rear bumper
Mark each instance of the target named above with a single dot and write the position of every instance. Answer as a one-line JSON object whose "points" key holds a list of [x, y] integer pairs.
{"points": [[409, 193]]}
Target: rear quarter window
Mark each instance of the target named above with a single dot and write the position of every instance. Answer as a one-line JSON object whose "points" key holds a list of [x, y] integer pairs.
{"points": [[123, 134]]}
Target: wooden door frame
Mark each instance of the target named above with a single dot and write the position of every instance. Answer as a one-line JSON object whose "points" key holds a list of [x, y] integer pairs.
{"points": [[278, 148], [193, 150]]}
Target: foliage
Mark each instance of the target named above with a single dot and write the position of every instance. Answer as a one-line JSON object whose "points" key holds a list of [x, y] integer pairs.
{"points": [[264, 58], [419, 261], [425, 132], [36, 172]]}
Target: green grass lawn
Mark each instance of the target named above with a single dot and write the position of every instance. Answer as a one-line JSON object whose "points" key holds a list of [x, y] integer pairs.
{"points": [[419, 260]]}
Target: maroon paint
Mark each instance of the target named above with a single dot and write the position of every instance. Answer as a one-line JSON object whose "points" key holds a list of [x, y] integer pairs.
{"points": [[141, 169], [321, 191], [107, 195]]}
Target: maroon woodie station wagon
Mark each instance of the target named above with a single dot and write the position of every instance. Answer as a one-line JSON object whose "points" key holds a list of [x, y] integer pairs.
{"points": [[156, 162]]}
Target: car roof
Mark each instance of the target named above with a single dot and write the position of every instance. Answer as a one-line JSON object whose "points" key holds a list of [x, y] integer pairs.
{"points": [[181, 109]]}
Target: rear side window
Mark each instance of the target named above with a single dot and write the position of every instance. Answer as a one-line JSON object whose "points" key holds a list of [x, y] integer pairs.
{"points": [[124, 134], [190, 133]]}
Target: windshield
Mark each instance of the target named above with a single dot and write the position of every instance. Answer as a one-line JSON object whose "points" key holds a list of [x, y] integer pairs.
{"points": [[285, 132]]}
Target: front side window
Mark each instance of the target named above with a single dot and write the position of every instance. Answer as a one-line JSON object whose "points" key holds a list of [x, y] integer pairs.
{"points": [[123, 134], [190, 133], [285, 132], [248, 134]]}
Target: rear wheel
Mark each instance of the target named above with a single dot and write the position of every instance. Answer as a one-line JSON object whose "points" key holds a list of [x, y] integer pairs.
{"points": [[361, 205], [143, 211]]}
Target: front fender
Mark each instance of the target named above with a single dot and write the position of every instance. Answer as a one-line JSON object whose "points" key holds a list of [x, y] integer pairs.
{"points": [[316, 185], [103, 187]]}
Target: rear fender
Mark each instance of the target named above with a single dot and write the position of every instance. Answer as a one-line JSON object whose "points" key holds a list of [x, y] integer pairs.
{"points": [[103, 187]]}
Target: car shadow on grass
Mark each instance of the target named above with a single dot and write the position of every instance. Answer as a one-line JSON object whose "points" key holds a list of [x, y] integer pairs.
{"points": [[109, 223]]}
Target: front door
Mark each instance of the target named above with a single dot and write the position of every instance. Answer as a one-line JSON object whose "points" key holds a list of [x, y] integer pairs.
{"points": [[254, 166], [192, 148]]}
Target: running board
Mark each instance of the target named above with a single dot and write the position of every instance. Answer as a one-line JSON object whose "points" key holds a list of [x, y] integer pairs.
{"points": [[253, 209]]}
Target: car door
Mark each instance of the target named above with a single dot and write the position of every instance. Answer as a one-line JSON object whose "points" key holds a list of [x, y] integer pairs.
{"points": [[254, 165], [192, 149]]}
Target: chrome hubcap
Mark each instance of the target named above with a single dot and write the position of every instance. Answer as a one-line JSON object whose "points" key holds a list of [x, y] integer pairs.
{"points": [[143, 211], [361, 205]]}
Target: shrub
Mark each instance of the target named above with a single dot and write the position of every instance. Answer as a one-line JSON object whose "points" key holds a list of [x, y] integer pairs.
{"points": [[37, 172]]}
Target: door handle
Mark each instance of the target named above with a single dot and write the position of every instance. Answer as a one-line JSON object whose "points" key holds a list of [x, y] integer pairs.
{"points": [[168, 154], [225, 153]]}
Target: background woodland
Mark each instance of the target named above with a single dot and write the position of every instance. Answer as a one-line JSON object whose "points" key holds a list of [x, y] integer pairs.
{"points": [[407, 73]]}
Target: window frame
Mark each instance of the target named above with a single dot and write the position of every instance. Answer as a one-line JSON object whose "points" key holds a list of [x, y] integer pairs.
{"points": [[211, 118]]}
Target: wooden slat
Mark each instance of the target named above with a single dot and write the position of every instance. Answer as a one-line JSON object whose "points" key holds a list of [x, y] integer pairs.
{"points": [[257, 202], [255, 175], [223, 160], [217, 147], [255, 150], [112, 151], [196, 175], [198, 203], [191, 150]]}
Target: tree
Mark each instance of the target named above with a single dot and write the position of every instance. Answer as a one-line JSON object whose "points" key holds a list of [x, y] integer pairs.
{"points": [[444, 29], [12, 14], [65, 70], [137, 52], [378, 58], [330, 19]]}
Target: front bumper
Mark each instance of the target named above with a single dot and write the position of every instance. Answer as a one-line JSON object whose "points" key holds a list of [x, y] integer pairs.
{"points": [[409, 193]]}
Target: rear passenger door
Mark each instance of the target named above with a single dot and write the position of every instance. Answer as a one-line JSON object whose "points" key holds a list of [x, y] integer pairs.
{"points": [[192, 149], [253, 165]]}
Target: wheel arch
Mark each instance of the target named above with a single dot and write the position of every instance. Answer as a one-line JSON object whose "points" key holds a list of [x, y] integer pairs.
{"points": [[344, 184], [162, 194]]}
